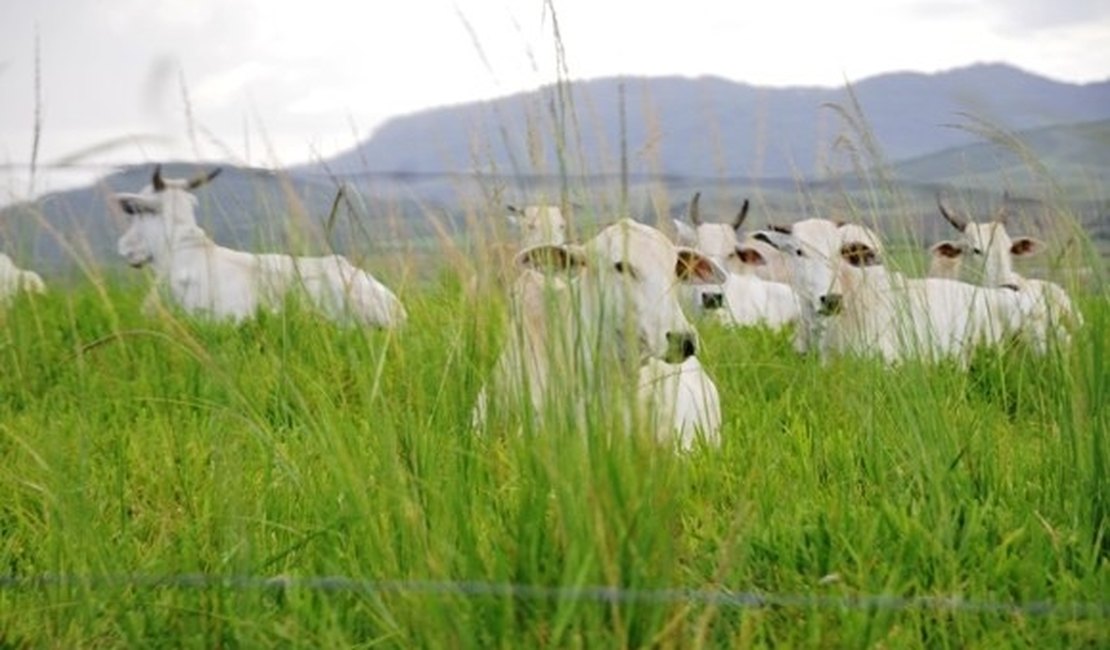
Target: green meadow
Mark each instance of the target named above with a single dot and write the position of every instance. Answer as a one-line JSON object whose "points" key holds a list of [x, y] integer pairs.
{"points": [[292, 482]]}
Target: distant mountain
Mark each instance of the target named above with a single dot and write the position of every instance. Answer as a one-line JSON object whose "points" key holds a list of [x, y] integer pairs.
{"points": [[712, 127]]}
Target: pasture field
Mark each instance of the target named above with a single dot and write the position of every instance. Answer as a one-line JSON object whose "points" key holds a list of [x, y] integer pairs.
{"points": [[291, 482]]}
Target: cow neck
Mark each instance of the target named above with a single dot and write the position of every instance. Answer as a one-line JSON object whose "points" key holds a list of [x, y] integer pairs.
{"points": [[179, 242]]}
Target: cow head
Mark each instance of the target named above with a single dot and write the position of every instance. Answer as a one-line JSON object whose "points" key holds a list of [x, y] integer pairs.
{"points": [[539, 224], [990, 242], [161, 208], [627, 278]]}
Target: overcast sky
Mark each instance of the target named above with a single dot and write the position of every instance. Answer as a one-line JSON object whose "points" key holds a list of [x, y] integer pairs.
{"points": [[276, 82]]}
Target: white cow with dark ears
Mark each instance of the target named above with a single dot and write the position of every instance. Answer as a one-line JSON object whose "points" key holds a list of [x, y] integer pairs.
{"points": [[1051, 314], [819, 242], [204, 278], [595, 319], [869, 310], [746, 298], [722, 242]]}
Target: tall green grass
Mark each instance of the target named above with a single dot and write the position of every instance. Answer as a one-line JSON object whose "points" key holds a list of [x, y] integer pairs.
{"points": [[139, 451]]}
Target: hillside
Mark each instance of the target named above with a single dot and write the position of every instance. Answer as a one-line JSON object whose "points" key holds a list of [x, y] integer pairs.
{"points": [[713, 127], [1076, 155]]}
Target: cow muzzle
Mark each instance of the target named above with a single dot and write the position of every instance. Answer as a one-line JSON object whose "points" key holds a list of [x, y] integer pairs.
{"points": [[712, 300], [680, 346], [831, 304]]}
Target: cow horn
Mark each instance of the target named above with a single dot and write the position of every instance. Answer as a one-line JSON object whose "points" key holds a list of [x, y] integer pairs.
{"points": [[1003, 210], [695, 216], [156, 181], [743, 214], [953, 218], [204, 178]]}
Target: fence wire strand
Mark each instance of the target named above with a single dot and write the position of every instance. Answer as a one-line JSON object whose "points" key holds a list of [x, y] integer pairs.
{"points": [[595, 593]]}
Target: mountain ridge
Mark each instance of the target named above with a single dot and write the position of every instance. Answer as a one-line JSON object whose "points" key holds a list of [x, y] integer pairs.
{"points": [[709, 125]]}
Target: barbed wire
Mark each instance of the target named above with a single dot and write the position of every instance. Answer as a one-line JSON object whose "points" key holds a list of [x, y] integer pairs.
{"points": [[596, 593]]}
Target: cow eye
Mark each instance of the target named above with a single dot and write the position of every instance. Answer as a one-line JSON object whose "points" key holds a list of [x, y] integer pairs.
{"points": [[624, 268]]}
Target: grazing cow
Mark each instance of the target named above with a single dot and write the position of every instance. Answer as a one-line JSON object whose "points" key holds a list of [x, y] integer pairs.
{"points": [[871, 311], [1051, 313], [204, 278], [14, 280], [606, 324]]}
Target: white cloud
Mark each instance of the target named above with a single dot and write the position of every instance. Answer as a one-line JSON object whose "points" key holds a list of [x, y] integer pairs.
{"points": [[221, 89]]}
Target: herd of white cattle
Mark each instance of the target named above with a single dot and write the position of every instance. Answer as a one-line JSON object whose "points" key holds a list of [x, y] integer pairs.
{"points": [[616, 303]]}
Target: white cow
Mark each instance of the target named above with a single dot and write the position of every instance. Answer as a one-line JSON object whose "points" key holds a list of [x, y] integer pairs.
{"points": [[819, 242], [14, 280], [603, 326], [746, 298], [1051, 313], [207, 279], [539, 224], [721, 241], [871, 311]]}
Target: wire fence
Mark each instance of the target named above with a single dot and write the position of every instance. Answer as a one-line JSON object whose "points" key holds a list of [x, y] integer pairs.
{"points": [[599, 594]]}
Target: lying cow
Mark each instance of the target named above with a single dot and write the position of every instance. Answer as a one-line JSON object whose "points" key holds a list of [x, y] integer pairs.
{"points": [[1051, 314], [205, 278], [602, 327], [869, 310], [746, 298], [818, 242], [14, 280]]}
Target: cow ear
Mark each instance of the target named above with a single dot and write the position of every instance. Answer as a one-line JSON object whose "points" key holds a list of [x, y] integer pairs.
{"points": [[859, 254], [1026, 246], [551, 257], [947, 249], [751, 256], [695, 268], [780, 241], [136, 204]]}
